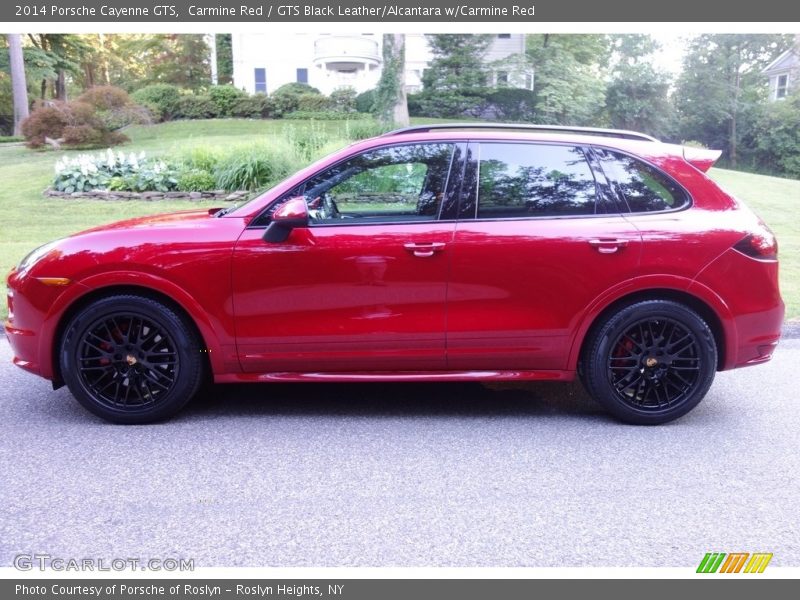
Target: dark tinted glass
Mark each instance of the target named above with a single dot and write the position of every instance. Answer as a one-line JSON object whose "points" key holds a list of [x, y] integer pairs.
{"points": [[399, 183], [533, 180], [644, 188]]}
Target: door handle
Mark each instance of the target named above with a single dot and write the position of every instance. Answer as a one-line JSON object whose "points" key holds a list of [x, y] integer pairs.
{"points": [[608, 245], [424, 250]]}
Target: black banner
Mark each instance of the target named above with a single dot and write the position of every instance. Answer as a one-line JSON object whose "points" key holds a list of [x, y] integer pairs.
{"points": [[384, 589], [399, 11]]}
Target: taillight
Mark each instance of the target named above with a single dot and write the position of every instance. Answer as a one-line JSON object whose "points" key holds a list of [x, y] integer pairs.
{"points": [[759, 244]]}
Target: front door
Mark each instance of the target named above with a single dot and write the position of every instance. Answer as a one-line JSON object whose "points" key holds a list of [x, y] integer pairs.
{"points": [[363, 288]]}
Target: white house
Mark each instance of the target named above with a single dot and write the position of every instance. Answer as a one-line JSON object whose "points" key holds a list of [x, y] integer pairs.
{"points": [[783, 73], [262, 62]]}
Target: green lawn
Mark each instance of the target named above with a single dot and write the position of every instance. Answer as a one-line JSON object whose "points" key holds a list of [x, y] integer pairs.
{"points": [[28, 219], [774, 200]]}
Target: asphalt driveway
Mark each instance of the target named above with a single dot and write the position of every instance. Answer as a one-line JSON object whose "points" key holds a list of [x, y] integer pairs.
{"points": [[405, 475]]}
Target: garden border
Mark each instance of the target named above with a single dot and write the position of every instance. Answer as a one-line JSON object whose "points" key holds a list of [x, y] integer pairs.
{"points": [[150, 196]]}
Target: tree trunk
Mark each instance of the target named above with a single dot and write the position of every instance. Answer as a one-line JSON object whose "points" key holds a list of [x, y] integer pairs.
{"points": [[400, 112], [737, 85], [391, 102], [61, 85], [19, 84]]}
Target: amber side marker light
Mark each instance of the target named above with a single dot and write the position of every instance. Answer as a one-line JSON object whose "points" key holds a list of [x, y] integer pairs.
{"points": [[55, 281]]}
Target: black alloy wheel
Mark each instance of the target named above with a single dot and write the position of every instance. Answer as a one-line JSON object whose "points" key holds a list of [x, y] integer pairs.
{"points": [[651, 362], [130, 359]]}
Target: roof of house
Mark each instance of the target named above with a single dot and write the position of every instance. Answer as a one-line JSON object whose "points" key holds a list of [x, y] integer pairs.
{"points": [[786, 61]]}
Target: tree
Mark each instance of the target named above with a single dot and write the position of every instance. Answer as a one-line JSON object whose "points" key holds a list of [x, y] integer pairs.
{"points": [[720, 91], [637, 97], [391, 104], [19, 83], [455, 81], [224, 58], [569, 82], [65, 52]]}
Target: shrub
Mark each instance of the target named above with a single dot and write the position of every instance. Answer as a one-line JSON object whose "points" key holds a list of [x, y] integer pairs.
{"points": [[72, 123], [114, 107], [114, 171], [162, 97], [451, 103], [365, 102], [252, 168], [225, 98], [325, 115], [257, 106], [778, 137], [361, 130], [196, 180], [105, 97], [312, 103], [87, 172], [201, 158], [414, 104], [343, 100], [509, 104], [286, 98], [196, 107]]}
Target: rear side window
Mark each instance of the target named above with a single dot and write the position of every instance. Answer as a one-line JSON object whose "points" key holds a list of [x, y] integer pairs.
{"points": [[643, 187], [534, 180]]}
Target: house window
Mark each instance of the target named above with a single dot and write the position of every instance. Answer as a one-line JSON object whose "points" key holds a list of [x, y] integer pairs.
{"points": [[529, 81], [261, 80], [504, 36], [302, 75], [502, 78], [781, 87]]}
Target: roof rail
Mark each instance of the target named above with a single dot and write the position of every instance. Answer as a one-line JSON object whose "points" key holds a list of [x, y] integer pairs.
{"points": [[616, 133]]}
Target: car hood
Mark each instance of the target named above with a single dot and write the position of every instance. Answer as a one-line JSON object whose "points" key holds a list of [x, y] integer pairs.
{"points": [[182, 218]]}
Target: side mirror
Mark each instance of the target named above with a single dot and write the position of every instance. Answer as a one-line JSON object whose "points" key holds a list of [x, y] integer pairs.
{"points": [[292, 213]]}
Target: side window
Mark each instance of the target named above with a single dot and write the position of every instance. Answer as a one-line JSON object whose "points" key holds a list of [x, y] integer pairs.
{"points": [[399, 183], [534, 180], [644, 188]]}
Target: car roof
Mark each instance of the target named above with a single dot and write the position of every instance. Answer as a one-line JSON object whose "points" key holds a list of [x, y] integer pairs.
{"points": [[645, 148], [524, 127]]}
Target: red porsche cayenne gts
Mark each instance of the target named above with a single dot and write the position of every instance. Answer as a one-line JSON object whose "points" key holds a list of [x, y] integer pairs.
{"points": [[433, 253]]}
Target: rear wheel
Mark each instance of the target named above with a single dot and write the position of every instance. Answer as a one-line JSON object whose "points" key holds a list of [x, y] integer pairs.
{"points": [[130, 359], [650, 362]]}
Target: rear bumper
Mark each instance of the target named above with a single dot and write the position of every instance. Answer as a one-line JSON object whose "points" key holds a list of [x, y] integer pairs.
{"points": [[748, 290]]}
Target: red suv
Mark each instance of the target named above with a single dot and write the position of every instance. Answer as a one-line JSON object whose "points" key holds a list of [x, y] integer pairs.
{"points": [[433, 253]]}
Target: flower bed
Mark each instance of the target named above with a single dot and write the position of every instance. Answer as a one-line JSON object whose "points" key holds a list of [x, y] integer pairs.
{"points": [[176, 195]]}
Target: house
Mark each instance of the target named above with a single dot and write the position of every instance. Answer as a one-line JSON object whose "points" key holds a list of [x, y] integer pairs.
{"points": [[263, 62], [783, 73]]}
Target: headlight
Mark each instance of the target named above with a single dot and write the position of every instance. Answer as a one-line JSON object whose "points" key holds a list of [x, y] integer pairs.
{"points": [[33, 257]]}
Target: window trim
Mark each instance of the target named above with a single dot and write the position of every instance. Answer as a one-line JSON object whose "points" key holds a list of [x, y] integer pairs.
{"points": [[622, 201], [613, 205], [356, 222], [784, 88], [256, 82]]}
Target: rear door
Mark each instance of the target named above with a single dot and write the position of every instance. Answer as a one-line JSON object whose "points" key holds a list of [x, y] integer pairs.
{"points": [[539, 238]]}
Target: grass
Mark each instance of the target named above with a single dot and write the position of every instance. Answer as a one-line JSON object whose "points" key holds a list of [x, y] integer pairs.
{"points": [[773, 198], [28, 219]]}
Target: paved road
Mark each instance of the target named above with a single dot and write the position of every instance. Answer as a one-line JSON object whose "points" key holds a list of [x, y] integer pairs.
{"points": [[405, 475]]}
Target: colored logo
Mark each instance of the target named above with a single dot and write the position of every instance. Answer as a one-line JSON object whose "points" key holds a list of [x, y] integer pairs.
{"points": [[735, 562]]}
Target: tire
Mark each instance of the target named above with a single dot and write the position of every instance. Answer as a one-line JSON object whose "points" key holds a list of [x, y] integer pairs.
{"points": [[130, 359], [650, 362]]}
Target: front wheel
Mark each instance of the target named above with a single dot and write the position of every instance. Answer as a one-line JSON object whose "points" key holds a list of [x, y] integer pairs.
{"points": [[131, 359], [650, 362]]}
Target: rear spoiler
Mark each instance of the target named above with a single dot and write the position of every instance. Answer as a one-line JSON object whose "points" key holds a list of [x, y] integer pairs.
{"points": [[701, 158]]}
